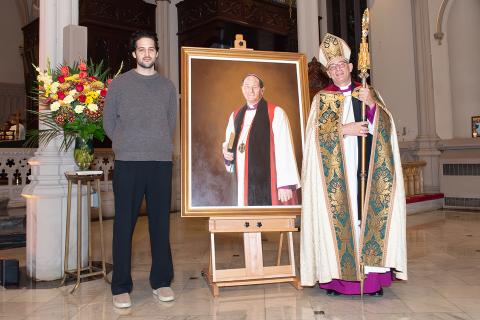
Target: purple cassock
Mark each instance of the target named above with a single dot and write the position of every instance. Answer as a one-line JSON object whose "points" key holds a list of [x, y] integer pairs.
{"points": [[372, 283]]}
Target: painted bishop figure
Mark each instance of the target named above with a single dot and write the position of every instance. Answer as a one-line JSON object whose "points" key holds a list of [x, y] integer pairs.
{"points": [[258, 147]]}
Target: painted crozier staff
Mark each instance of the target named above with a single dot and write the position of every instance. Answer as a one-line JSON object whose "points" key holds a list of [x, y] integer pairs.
{"points": [[258, 147], [335, 240]]}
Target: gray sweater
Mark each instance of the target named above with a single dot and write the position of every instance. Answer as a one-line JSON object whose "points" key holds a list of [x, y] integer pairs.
{"points": [[139, 117]]}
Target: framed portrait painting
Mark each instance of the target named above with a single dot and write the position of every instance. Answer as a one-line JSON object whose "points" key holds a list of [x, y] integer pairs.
{"points": [[476, 127], [243, 118]]}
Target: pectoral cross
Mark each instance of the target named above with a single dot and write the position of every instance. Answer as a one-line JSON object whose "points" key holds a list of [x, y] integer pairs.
{"points": [[241, 147]]}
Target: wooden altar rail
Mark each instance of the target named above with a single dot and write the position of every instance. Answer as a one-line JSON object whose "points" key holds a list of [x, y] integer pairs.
{"points": [[413, 177]]}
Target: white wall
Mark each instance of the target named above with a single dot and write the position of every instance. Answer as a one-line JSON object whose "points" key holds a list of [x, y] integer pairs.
{"points": [[462, 32], [11, 67], [441, 72], [393, 73]]}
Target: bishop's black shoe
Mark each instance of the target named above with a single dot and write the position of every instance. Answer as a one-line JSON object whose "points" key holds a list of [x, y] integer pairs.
{"points": [[331, 292], [378, 293]]}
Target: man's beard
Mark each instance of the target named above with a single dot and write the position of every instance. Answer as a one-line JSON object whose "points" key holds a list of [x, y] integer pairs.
{"points": [[145, 64]]}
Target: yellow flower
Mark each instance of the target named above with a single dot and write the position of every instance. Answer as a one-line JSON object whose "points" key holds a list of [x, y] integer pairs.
{"points": [[73, 77], [97, 85], [64, 86], [88, 100]]}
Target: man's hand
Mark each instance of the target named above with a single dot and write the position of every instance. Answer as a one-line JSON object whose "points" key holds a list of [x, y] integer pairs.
{"points": [[285, 194], [355, 129], [365, 95], [227, 155]]}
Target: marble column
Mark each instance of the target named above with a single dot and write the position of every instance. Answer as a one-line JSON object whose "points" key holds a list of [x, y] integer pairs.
{"points": [[163, 34], [46, 194], [166, 16], [427, 138], [307, 28]]}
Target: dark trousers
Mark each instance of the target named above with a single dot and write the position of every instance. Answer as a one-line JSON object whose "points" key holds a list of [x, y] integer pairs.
{"points": [[132, 180]]}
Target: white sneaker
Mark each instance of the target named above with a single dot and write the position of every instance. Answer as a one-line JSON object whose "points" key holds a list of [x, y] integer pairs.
{"points": [[164, 294], [122, 301]]}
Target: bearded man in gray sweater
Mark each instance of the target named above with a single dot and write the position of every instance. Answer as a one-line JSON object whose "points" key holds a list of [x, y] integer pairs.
{"points": [[139, 117]]}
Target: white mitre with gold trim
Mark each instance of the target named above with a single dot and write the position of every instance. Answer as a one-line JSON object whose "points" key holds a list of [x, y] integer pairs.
{"points": [[332, 47]]}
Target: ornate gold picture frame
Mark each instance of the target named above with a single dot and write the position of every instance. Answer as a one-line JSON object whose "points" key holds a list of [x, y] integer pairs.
{"points": [[212, 94]]}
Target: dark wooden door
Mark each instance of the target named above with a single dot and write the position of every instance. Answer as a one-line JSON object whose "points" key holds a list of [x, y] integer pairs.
{"points": [[344, 19]]}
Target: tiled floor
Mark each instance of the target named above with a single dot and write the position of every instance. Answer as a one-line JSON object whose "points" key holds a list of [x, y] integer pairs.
{"points": [[444, 281]]}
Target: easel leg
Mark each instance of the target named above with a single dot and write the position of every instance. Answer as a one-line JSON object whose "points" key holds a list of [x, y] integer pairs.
{"points": [[211, 274], [295, 283], [215, 290], [280, 247]]}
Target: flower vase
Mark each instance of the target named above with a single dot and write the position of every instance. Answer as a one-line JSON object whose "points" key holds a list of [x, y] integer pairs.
{"points": [[83, 153]]}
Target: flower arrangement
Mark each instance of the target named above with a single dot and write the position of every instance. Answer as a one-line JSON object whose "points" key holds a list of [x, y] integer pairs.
{"points": [[75, 96]]}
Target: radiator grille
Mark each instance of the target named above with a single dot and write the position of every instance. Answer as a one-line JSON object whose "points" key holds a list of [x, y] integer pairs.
{"points": [[461, 169], [462, 202]]}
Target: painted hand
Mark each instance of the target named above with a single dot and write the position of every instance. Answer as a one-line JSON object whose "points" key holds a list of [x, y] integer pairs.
{"points": [[285, 194], [227, 155]]}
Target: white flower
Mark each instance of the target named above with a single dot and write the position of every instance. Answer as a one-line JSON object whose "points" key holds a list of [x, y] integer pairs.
{"points": [[55, 106], [54, 87], [79, 108], [68, 99], [44, 78], [92, 107], [72, 92]]}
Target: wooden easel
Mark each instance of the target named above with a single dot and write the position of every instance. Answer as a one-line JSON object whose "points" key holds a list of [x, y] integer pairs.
{"points": [[254, 272], [252, 227]]}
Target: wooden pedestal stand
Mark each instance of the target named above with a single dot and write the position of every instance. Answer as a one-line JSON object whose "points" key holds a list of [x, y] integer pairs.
{"points": [[254, 271]]}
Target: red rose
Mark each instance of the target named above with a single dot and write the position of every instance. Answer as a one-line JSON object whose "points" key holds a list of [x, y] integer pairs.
{"points": [[82, 74], [109, 81], [60, 95], [93, 78], [82, 98], [79, 87], [61, 79], [64, 70], [82, 66], [103, 93]]}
